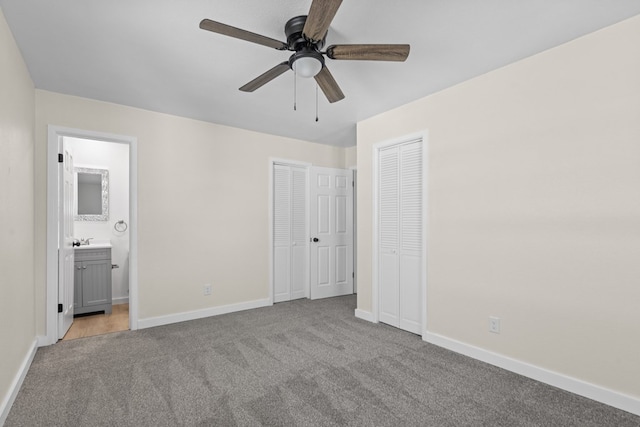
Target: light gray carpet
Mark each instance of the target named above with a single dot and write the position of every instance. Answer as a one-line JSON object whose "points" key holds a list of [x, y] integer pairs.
{"points": [[300, 363]]}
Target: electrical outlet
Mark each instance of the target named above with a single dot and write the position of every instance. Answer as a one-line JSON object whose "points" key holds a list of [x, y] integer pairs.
{"points": [[207, 289], [494, 325]]}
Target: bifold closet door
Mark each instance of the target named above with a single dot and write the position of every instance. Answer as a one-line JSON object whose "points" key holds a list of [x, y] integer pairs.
{"points": [[400, 235], [290, 247]]}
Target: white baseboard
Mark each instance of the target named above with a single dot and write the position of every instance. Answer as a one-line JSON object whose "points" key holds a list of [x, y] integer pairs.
{"points": [[120, 300], [364, 315], [14, 388], [564, 382], [199, 314], [42, 341]]}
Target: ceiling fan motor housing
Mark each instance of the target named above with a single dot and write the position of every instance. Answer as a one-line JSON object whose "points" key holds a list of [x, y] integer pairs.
{"points": [[293, 29]]}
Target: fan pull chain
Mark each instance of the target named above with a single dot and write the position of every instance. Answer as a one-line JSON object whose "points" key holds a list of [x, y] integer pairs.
{"points": [[316, 102], [295, 89]]}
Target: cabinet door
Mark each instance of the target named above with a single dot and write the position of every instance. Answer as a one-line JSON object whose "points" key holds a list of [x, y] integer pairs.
{"points": [[77, 285], [96, 283]]}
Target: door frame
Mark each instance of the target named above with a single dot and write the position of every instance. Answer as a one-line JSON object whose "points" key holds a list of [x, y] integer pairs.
{"points": [[423, 137], [284, 162], [354, 171], [55, 134]]}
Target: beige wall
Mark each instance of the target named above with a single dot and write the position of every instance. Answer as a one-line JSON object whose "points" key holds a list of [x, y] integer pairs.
{"points": [[202, 201], [17, 318], [350, 156], [534, 207]]}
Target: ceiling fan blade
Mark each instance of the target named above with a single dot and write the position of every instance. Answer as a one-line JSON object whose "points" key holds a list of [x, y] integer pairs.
{"points": [[320, 16], [329, 86], [369, 52], [228, 30], [266, 77]]}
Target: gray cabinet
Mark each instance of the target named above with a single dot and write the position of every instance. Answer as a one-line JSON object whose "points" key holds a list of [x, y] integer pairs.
{"points": [[92, 281]]}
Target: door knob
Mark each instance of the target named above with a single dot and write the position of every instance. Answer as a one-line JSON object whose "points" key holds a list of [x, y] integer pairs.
{"points": [[75, 243], [316, 240]]}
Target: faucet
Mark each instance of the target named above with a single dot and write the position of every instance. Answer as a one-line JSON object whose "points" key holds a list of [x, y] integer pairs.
{"points": [[85, 241]]}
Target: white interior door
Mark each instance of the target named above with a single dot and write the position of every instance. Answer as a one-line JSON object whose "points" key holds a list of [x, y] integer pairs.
{"points": [[400, 235], [66, 256], [290, 243], [331, 230]]}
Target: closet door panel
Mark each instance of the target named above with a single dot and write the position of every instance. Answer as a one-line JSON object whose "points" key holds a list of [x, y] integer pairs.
{"points": [[410, 316], [282, 233], [388, 211], [389, 289], [298, 272], [411, 197], [299, 242], [282, 273], [388, 199], [411, 236]]}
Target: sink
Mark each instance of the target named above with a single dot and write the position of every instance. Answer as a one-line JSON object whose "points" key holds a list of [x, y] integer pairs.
{"points": [[95, 244]]}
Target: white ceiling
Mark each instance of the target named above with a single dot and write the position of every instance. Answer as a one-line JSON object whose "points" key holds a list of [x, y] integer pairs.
{"points": [[151, 54]]}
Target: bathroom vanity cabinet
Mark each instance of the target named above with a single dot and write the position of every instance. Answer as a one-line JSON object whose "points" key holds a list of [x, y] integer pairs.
{"points": [[92, 280]]}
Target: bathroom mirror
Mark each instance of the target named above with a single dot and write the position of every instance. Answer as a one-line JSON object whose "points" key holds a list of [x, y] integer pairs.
{"points": [[92, 194]]}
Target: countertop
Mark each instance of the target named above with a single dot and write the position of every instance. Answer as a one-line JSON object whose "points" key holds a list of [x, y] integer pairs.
{"points": [[99, 244]]}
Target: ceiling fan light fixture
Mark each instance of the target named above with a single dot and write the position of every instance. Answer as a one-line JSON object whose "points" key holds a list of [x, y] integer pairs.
{"points": [[307, 67], [307, 63]]}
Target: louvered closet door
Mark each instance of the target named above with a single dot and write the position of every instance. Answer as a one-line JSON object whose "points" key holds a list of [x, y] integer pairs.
{"points": [[400, 235], [299, 240], [388, 210], [410, 237], [290, 247], [281, 233]]}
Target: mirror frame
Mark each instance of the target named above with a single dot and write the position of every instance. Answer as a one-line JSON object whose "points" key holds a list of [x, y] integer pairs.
{"points": [[105, 195]]}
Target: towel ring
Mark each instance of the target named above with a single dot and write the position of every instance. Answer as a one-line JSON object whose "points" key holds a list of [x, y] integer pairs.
{"points": [[120, 226]]}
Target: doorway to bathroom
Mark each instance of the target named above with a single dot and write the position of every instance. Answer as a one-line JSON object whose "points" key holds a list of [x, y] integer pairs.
{"points": [[100, 223], [91, 234]]}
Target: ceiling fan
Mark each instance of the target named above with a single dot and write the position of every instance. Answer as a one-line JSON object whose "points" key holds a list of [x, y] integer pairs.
{"points": [[306, 37]]}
